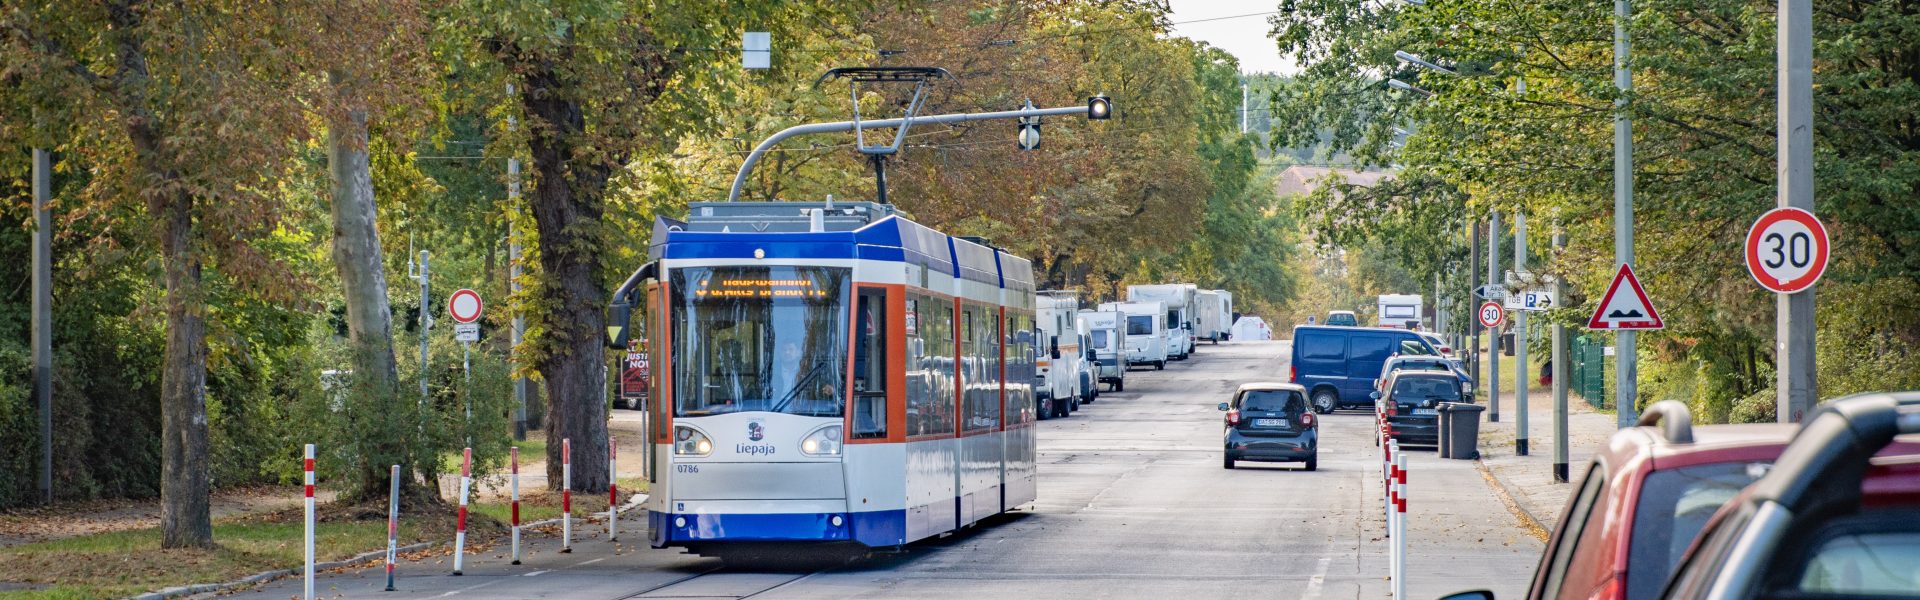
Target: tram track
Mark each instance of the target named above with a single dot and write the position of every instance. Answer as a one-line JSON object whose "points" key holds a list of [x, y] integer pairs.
{"points": [[708, 584]]}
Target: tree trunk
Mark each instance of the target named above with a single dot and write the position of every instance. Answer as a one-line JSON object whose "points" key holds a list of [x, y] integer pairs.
{"points": [[185, 517], [567, 206], [357, 260]]}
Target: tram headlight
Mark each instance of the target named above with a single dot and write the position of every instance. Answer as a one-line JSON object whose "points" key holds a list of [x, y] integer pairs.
{"points": [[824, 441], [688, 441]]}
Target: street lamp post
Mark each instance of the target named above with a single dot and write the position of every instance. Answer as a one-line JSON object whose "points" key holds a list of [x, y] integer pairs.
{"points": [[1626, 372]]}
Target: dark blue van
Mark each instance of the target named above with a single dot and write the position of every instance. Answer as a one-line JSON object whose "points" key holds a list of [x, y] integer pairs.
{"points": [[1337, 365]]}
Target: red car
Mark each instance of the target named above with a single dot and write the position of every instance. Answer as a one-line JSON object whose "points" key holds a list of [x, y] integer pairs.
{"points": [[1645, 497]]}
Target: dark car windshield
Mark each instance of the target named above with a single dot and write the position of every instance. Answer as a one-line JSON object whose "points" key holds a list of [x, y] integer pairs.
{"points": [[1272, 401], [1674, 506], [1420, 389]]}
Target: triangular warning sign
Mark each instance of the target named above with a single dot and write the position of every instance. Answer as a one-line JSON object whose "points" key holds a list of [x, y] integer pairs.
{"points": [[1625, 311]]}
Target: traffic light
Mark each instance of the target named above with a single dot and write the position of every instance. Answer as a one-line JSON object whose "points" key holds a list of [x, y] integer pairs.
{"points": [[1099, 108], [1029, 136]]}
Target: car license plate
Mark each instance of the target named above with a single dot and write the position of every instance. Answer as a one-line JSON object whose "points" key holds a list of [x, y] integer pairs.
{"points": [[1269, 422], [1425, 412]]}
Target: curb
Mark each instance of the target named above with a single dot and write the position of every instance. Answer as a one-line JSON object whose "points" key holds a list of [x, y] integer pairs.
{"points": [[266, 576], [1528, 520]]}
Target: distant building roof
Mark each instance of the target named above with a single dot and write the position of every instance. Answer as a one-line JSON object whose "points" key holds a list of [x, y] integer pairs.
{"points": [[1302, 180]]}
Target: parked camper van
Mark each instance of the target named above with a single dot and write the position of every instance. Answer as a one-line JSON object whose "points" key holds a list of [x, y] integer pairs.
{"points": [[1107, 332], [1057, 374], [1400, 311], [1146, 333], [1178, 326], [1210, 313]]}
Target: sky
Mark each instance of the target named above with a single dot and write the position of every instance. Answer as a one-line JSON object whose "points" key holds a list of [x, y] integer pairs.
{"points": [[1244, 37]]}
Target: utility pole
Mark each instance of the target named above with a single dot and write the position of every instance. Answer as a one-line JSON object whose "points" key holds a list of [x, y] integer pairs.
{"points": [[1626, 368], [1243, 107], [426, 324], [1559, 375], [1493, 337], [43, 314], [1439, 308], [1520, 338], [1793, 318], [513, 284], [1473, 283]]}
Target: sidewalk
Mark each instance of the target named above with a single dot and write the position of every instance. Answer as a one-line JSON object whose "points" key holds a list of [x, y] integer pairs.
{"points": [[1528, 480]]}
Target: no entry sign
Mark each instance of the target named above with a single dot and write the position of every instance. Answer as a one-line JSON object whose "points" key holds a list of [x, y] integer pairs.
{"points": [[464, 306], [1492, 315], [1787, 250]]}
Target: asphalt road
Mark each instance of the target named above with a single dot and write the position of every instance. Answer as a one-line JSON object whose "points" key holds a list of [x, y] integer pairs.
{"points": [[1133, 504]]}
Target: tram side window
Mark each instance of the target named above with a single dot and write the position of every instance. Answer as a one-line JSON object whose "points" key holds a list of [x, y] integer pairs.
{"points": [[982, 402], [1020, 369], [931, 366], [870, 365]]}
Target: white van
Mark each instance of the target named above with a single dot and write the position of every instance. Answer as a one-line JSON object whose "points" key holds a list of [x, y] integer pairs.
{"points": [[1210, 314], [1178, 328], [1107, 336], [1146, 331], [1057, 372]]}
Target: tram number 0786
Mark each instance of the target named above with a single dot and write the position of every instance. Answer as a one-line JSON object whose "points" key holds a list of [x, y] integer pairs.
{"points": [[686, 468]]}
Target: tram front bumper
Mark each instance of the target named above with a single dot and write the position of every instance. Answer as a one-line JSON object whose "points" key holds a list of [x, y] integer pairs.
{"points": [[702, 522]]}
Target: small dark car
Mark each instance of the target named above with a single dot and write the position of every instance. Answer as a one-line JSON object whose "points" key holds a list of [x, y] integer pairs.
{"points": [[1413, 404], [1271, 422]]}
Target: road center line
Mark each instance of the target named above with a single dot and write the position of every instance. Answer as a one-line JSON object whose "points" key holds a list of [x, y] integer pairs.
{"points": [[535, 573], [1319, 579], [591, 562]]}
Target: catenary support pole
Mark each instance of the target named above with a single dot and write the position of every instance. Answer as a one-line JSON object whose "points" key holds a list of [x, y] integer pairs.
{"points": [[460, 526], [1794, 312], [513, 284], [1626, 364], [1520, 365], [1493, 335], [307, 466], [1559, 375], [513, 484], [43, 314], [393, 523]]}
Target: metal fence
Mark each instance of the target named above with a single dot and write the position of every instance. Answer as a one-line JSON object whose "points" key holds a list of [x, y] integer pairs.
{"points": [[1587, 369]]}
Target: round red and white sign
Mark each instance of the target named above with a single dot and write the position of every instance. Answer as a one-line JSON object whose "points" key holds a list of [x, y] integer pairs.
{"points": [[1787, 250], [1492, 314], [464, 306]]}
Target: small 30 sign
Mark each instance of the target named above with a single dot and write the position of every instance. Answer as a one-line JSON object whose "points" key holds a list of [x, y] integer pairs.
{"points": [[1787, 250], [1492, 315]]}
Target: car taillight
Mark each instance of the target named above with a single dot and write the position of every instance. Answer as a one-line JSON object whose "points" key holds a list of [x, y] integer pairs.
{"points": [[1293, 374], [1306, 419], [1233, 416]]}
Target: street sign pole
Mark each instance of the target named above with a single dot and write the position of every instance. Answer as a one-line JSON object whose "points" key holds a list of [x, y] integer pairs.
{"points": [[1559, 376], [1493, 338], [1794, 312], [1520, 340], [1473, 280], [1626, 371], [43, 314]]}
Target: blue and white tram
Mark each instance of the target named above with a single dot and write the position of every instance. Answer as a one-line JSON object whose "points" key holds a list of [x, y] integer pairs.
{"points": [[832, 373]]}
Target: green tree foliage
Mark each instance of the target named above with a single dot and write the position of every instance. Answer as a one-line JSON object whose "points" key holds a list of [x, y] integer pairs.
{"points": [[1527, 125]]}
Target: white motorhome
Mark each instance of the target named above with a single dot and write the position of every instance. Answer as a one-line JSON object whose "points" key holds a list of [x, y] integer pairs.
{"points": [[1251, 328], [1107, 332], [1178, 326], [1146, 331], [1226, 299], [1400, 311], [1057, 373], [1210, 316]]}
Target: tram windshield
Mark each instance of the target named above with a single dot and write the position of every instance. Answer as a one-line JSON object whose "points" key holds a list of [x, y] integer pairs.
{"points": [[759, 338]]}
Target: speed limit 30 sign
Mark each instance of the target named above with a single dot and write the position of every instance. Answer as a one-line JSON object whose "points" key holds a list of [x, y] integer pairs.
{"points": [[1787, 250], [1492, 315]]}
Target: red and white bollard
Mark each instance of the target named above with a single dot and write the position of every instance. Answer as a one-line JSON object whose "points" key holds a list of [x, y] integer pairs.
{"points": [[1399, 541], [566, 495], [613, 491], [460, 527], [514, 484], [393, 523], [307, 464]]}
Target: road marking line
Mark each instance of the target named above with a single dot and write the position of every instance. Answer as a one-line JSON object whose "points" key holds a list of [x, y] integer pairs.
{"points": [[1319, 579], [591, 562], [535, 573]]}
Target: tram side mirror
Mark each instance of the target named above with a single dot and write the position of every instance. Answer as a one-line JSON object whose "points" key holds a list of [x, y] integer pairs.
{"points": [[1053, 346], [619, 316]]}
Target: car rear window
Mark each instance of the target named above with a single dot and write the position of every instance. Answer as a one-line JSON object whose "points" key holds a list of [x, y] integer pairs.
{"points": [[1674, 505], [1418, 389], [1321, 347], [1272, 401], [1100, 339], [1140, 325]]}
